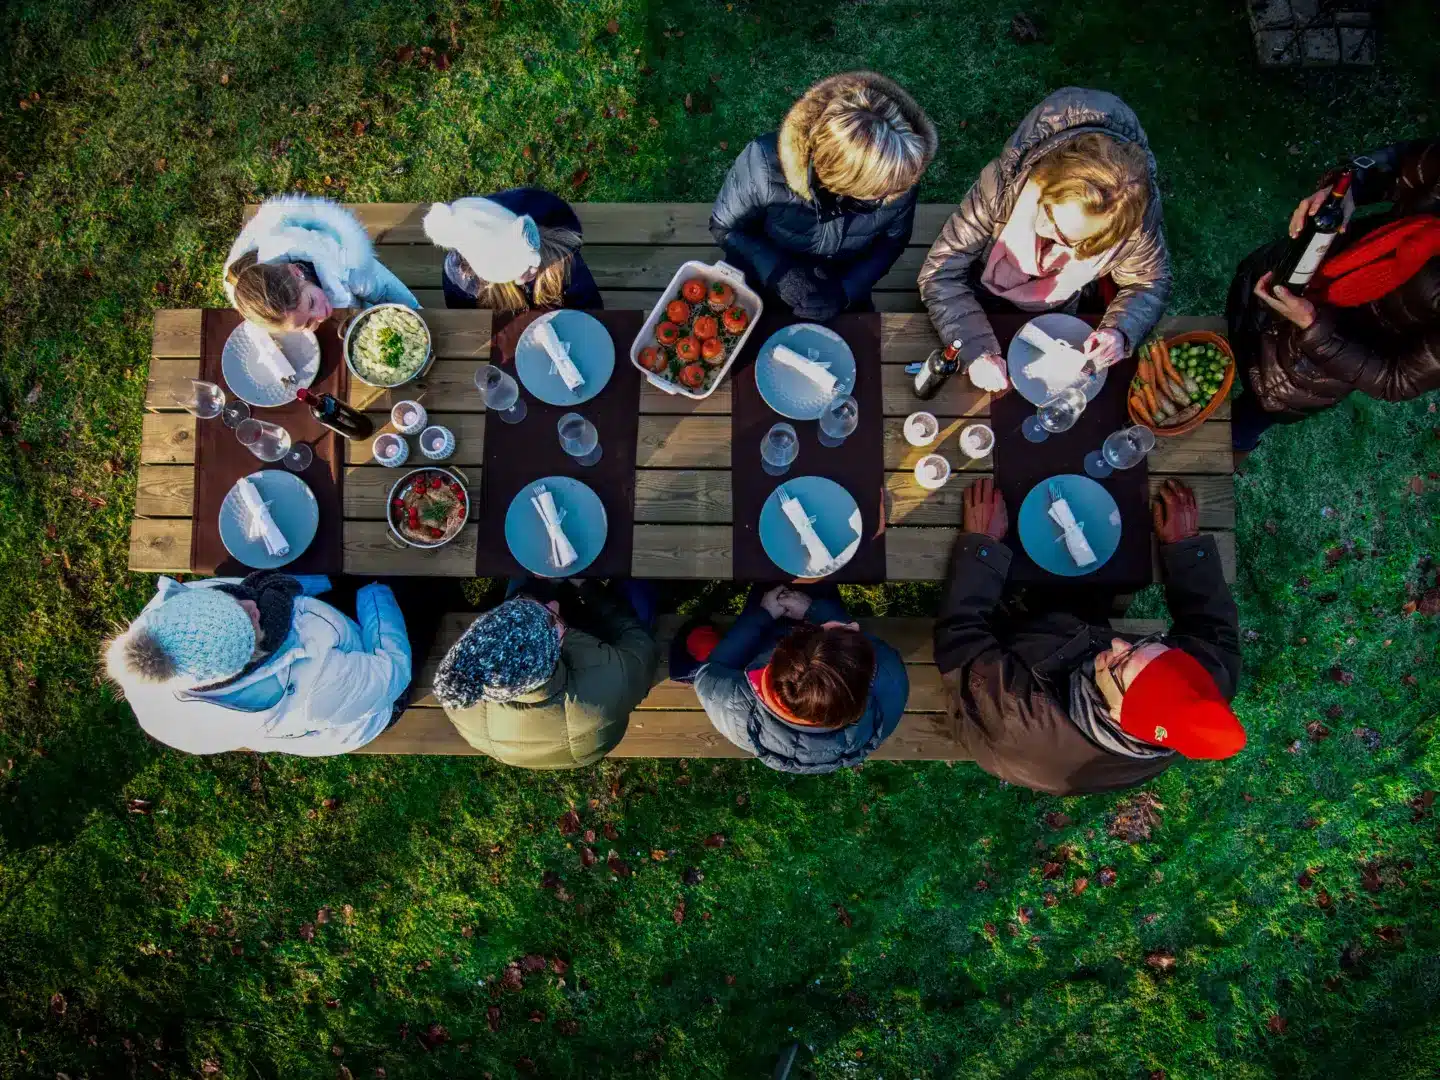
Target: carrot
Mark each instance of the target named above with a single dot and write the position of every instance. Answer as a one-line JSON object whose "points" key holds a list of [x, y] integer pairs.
{"points": [[1138, 408], [1145, 369], [1183, 415], [1150, 399]]}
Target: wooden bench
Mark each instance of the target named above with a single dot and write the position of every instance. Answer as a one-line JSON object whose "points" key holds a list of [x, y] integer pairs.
{"points": [[670, 723], [682, 505]]}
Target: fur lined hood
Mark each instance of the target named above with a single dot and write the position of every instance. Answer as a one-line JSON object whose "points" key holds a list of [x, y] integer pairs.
{"points": [[303, 228], [797, 132]]}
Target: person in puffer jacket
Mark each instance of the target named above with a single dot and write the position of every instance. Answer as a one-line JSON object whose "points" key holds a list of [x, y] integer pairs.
{"points": [[816, 213], [301, 257], [1071, 199], [259, 664], [800, 686]]}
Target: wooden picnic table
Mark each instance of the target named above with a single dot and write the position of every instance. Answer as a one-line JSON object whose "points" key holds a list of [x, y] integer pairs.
{"points": [[682, 503]]}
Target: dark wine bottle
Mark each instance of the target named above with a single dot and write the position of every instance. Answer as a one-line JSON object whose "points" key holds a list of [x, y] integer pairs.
{"points": [[1307, 251], [337, 416], [938, 366]]}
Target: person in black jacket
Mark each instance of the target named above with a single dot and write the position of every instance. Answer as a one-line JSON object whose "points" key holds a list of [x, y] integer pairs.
{"points": [[816, 213], [512, 251], [1051, 702]]}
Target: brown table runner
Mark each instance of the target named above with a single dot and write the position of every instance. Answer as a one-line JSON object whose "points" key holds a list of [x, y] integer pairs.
{"points": [[1021, 464], [518, 454], [220, 459], [857, 464]]}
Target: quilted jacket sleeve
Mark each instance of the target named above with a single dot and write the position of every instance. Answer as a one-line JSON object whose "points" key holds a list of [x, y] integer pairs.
{"points": [[945, 276], [739, 210], [1143, 277]]}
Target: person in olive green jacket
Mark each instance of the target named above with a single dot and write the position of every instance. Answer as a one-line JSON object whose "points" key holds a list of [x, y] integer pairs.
{"points": [[528, 690]]}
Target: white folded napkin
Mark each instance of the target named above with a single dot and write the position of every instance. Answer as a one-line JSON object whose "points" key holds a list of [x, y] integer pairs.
{"points": [[1072, 531], [562, 552], [559, 352], [817, 373], [818, 557], [267, 353], [1059, 363], [259, 525]]}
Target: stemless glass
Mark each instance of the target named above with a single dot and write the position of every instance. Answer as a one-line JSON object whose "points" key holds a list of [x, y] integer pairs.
{"points": [[1058, 414], [1123, 449], [579, 439], [778, 449], [206, 400], [268, 442], [501, 393], [839, 420]]}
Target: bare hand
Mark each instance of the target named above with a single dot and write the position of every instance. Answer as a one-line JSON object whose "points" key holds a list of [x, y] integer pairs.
{"points": [[1311, 206], [988, 373], [984, 510], [1175, 513], [794, 603], [1286, 304], [1105, 347], [771, 602]]}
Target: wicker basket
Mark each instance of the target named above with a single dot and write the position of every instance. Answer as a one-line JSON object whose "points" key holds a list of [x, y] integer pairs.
{"points": [[1197, 337]]}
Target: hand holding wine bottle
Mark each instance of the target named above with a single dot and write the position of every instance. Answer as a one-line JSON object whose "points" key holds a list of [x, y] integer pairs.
{"points": [[1283, 302], [1309, 207]]}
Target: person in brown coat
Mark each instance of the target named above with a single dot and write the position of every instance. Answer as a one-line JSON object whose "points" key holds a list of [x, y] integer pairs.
{"points": [[1051, 702], [1369, 320]]}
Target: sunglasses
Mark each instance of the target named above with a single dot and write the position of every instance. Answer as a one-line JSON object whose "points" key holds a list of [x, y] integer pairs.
{"points": [[1050, 215], [1113, 668]]}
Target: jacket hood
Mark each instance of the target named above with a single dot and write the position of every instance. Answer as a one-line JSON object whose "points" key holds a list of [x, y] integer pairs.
{"points": [[791, 748], [303, 228], [1073, 111], [797, 131]]}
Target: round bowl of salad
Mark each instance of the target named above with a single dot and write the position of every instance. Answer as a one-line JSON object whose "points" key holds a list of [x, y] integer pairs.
{"points": [[428, 507], [387, 345]]}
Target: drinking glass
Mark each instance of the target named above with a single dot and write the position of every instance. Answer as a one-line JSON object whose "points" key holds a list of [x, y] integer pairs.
{"points": [[839, 420], [235, 413], [579, 439], [268, 442], [501, 393], [1058, 414], [779, 448], [299, 457], [1123, 449], [205, 401]]}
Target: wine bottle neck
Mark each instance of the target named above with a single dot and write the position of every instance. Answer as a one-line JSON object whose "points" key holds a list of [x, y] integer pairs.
{"points": [[1342, 185]]}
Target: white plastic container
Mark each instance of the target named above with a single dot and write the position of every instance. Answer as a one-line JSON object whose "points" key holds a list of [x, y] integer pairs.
{"points": [[745, 296]]}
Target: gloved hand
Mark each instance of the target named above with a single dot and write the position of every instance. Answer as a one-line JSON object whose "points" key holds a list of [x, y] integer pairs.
{"points": [[810, 293]]}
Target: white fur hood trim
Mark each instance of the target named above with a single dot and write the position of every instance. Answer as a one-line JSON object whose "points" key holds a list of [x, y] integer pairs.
{"points": [[302, 228]]}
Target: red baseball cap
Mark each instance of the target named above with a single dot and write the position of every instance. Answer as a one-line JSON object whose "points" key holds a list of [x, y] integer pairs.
{"points": [[701, 641], [1175, 703]]}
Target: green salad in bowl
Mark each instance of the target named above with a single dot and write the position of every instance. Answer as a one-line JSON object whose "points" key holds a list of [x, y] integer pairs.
{"points": [[387, 345]]}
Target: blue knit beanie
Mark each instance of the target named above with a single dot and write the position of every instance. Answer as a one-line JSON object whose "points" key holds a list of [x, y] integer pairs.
{"points": [[204, 633], [508, 651]]}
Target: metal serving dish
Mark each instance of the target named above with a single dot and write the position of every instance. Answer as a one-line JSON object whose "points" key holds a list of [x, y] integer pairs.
{"points": [[354, 325]]}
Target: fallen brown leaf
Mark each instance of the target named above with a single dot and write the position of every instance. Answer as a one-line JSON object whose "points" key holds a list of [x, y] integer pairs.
{"points": [[588, 857], [569, 823], [512, 979], [1107, 876], [844, 916], [532, 962], [618, 866], [1160, 960], [678, 914], [1081, 884], [558, 965], [1277, 1024], [1058, 820], [492, 1017], [715, 840], [1417, 485], [613, 26], [611, 833]]}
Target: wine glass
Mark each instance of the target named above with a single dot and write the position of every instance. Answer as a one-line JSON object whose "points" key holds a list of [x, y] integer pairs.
{"points": [[235, 413], [300, 457], [579, 439], [501, 393], [839, 420], [268, 442], [779, 449], [206, 400], [1123, 449], [1058, 414]]}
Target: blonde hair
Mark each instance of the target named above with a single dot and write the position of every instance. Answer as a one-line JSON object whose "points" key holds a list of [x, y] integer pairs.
{"points": [[557, 253], [265, 293], [1110, 178], [864, 147]]}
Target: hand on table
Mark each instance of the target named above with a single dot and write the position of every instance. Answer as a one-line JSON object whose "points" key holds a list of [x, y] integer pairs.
{"points": [[988, 373], [1175, 513], [1104, 347], [984, 510], [1286, 304], [1309, 207]]}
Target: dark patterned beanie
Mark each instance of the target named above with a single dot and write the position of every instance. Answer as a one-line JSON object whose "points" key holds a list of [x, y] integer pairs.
{"points": [[508, 651]]}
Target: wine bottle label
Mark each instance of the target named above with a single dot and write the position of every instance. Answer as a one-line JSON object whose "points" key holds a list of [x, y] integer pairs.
{"points": [[1310, 261], [922, 378]]}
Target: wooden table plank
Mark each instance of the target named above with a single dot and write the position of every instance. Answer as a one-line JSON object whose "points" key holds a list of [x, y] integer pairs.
{"points": [[370, 548], [160, 545], [682, 551]]}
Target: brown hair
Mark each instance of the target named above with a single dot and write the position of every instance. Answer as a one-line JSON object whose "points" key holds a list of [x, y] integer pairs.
{"points": [[822, 675], [863, 147], [1110, 178], [557, 252], [266, 293]]}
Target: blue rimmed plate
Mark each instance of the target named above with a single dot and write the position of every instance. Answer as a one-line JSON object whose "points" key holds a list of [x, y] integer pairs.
{"points": [[592, 351], [1093, 507], [582, 517], [292, 505], [833, 513], [252, 382], [790, 393], [1063, 328]]}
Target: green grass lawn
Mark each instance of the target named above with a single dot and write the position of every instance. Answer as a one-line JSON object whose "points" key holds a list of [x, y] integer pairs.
{"points": [[244, 917]]}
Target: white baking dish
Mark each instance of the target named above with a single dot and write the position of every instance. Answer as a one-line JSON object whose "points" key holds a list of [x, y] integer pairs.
{"points": [[745, 297]]}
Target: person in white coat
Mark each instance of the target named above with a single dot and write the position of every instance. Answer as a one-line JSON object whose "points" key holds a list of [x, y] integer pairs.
{"points": [[259, 664], [301, 257]]}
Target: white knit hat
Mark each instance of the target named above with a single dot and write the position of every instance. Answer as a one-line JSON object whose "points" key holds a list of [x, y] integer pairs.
{"points": [[499, 244]]}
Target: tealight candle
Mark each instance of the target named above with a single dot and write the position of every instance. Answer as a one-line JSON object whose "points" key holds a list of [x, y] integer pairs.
{"points": [[437, 442], [932, 471], [391, 450], [408, 417], [977, 440], [921, 428]]}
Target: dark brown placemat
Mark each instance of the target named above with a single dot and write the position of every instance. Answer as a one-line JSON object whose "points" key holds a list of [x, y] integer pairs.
{"points": [[1021, 464], [857, 464], [518, 454], [220, 459]]}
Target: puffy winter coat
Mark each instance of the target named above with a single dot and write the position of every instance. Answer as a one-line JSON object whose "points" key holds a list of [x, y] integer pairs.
{"points": [[1009, 680], [328, 689], [1140, 265], [771, 214], [301, 228], [580, 715], [738, 713], [1388, 348]]}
